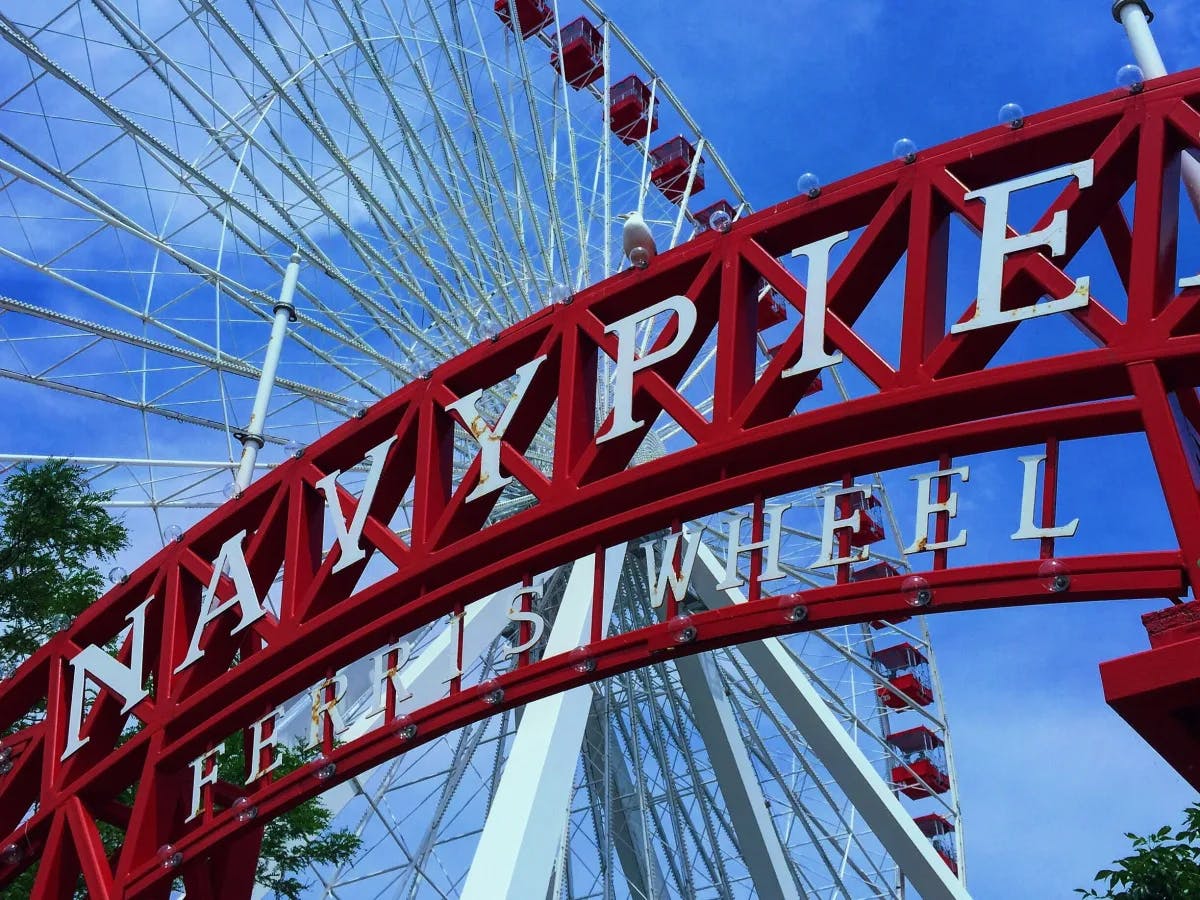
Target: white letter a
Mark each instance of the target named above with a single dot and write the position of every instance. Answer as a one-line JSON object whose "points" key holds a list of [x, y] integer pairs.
{"points": [[246, 598]]}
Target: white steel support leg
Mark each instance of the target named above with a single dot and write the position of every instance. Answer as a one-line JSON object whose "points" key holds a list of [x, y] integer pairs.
{"points": [[757, 840], [643, 874], [521, 837], [832, 745], [1135, 16]]}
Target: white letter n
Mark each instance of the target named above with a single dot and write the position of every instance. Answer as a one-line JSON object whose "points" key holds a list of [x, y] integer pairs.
{"points": [[123, 680]]}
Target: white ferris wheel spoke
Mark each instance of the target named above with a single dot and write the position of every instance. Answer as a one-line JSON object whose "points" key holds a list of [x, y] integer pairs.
{"points": [[439, 180]]}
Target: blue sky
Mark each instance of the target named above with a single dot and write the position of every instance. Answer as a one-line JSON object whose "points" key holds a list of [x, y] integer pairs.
{"points": [[1050, 776]]}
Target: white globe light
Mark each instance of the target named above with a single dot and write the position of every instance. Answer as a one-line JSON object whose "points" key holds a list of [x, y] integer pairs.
{"points": [[917, 591], [905, 149], [809, 184], [1012, 115], [491, 692], [169, 857], [421, 360], [1131, 77], [681, 629], [718, 221], [1055, 575], [244, 810], [486, 325], [406, 728]]}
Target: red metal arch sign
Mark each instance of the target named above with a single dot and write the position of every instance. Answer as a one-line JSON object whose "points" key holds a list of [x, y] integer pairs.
{"points": [[201, 657]]}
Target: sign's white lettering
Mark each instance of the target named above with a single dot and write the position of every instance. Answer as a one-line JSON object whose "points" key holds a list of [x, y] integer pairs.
{"points": [[490, 436], [833, 524], [123, 680], [348, 537], [813, 356], [845, 518], [245, 597], [629, 362]]}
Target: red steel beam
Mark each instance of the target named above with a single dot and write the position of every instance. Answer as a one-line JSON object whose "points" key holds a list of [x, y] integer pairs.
{"points": [[941, 403]]}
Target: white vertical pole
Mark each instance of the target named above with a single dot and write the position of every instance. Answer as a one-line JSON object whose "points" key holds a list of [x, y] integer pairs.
{"points": [[285, 311], [1135, 16]]}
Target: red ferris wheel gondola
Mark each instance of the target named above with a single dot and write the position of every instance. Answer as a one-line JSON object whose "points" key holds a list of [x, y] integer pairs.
{"points": [[923, 772], [907, 672], [582, 61]]}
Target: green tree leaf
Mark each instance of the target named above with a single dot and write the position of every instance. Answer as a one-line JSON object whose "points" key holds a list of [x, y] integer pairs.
{"points": [[1164, 866]]}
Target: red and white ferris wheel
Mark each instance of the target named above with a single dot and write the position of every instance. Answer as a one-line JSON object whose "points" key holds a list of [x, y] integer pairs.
{"points": [[479, 432]]}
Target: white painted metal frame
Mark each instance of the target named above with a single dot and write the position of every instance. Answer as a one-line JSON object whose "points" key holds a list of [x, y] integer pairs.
{"points": [[515, 856], [409, 154], [829, 741]]}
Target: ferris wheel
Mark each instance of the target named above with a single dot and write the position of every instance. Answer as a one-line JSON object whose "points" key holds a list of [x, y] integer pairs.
{"points": [[228, 227]]}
